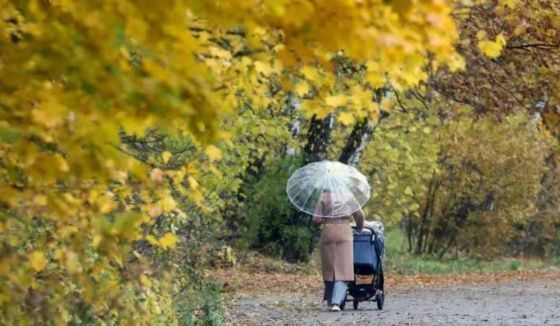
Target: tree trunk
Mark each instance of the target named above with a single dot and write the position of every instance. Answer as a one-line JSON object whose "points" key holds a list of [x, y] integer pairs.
{"points": [[357, 141], [444, 250], [315, 149], [421, 226], [294, 126], [424, 227], [360, 136], [318, 139], [409, 230]]}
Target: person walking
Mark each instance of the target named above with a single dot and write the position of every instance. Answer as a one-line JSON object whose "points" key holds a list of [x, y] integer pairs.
{"points": [[332, 192], [336, 250]]}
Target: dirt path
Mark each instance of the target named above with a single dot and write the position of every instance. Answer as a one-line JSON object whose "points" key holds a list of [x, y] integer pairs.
{"points": [[532, 299]]}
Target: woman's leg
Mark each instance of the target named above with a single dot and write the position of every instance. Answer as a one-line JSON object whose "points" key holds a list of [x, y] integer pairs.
{"points": [[327, 296], [338, 292]]}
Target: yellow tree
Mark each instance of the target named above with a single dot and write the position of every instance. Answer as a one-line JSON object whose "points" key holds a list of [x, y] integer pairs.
{"points": [[74, 73]]}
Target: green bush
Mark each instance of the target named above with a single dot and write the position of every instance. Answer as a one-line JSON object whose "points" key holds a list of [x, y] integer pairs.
{"points": [[273, 225], [200, 304]]}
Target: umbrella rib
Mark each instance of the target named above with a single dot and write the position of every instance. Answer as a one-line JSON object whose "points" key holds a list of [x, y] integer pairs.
{"points": [[358, 189], [366, 195], [297, 193], [354, 197], [305, 202]]}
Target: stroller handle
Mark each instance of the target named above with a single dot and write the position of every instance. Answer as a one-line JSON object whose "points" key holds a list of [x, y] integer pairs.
{"points": [[355, 228]]}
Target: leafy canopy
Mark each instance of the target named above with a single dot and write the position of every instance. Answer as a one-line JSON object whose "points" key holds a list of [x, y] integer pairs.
{"points": [[74, 208]]}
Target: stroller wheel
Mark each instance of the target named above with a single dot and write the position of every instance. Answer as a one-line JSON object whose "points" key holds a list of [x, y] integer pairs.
{"points": [[356, 304], [380, 298]]}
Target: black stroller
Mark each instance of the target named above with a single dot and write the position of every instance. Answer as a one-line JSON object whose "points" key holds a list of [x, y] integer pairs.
{"points": [[368, 267]]}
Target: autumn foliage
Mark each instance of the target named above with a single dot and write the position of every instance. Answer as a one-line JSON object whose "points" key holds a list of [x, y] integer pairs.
{"points": [[133, 133]]}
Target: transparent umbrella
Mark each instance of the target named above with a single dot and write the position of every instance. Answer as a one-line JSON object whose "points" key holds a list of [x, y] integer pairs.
{"points": [[328, 189]]}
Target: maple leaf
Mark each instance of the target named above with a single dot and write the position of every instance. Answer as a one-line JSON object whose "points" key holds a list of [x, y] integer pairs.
{"points": [[37, 261], [168, 241], [336, 100], [166, 155], [213, 153], [168, 204], [145, 280], [302, 88], [492, 49], [346, 118]]}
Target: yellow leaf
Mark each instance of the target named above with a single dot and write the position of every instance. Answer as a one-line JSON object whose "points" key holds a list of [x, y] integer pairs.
{"points": [[219, 52], [37, 260], [508, 3], [263, 68], [375, 75], [302, 88], [145, 280], [346, 118], [519, 29], [277, 66], [152, 240], [109, 289], [106, 204], [9, 194], [492, 49], [146, 219], [154, 210], [310, 73], [135, 125], [166, 156], [385, 104], [408, 191], [213, 153], [71, 262], [96, 240], [40, 200], [168, 241], [375, 79], [65, 315], [481, 35], [196, 196], [167, 203], [456, 63], [311, 108], [193, 184], [336, 100], [117, 258]]}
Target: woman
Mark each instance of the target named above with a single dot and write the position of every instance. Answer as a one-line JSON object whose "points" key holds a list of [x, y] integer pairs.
{"points": [[337, 259]]}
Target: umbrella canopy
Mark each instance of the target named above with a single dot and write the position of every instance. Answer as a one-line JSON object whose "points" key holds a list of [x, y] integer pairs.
{"points": [[328, 189]]}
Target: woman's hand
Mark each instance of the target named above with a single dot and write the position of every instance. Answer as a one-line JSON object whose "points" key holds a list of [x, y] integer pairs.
{"points": [[360, 219]]}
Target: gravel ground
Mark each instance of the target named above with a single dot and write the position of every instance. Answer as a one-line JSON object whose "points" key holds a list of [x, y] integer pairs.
{"points": [[520, 302]]}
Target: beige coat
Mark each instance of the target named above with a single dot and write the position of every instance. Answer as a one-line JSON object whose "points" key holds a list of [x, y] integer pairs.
{"points": [[337, 254]]}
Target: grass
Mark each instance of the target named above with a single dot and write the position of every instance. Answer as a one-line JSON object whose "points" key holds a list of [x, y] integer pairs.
{"points": [[400, 261]]}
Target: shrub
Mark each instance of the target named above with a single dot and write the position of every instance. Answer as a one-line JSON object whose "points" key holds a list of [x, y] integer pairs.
{"points": [[273, 225], [488, 181]]}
